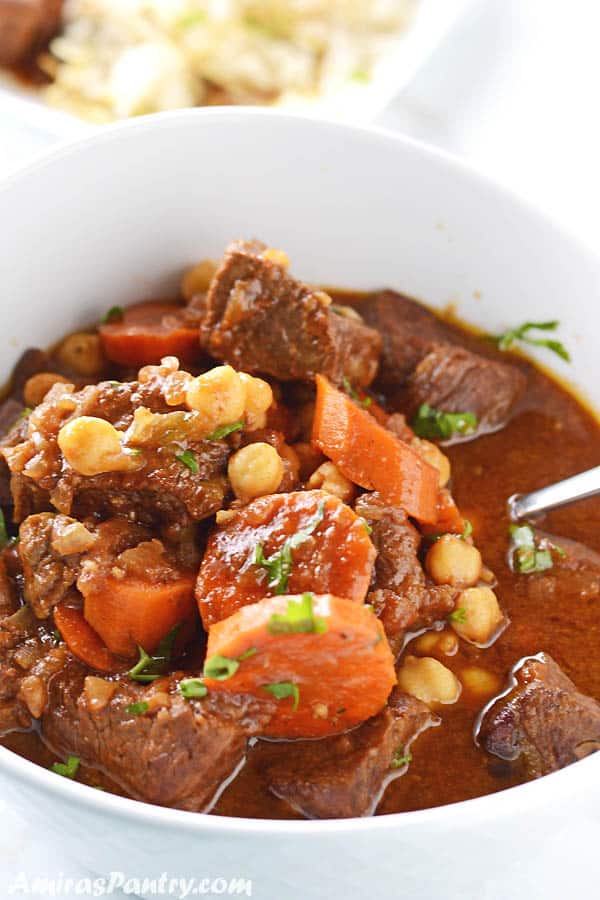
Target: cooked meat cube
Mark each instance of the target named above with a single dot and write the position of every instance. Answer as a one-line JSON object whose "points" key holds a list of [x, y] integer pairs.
{"points": [[544, 721], [156, 488], [48, 574], [259, 319], [408, 330], [28, 658], [421, 354], [455, 380], [25, 25], [345, 775], [177, 752], [574, 577], [402, 595]]}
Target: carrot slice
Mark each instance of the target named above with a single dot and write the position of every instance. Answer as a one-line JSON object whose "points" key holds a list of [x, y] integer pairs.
{"points": [[325, 659], [82, 640], [284, 543], [371, 456], [449, 518], [149, 331], [129, 611]]}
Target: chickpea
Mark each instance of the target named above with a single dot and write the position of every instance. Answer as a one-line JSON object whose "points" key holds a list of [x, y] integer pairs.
{"points": [[278, 257], [481, 615], [434, 456], [38, 386], [83, 354], [259, 397], [219, 394], [480, 681], [255, 470], [93, 446], [197, 279], [427, 679], [452, 561], [328, 478]]}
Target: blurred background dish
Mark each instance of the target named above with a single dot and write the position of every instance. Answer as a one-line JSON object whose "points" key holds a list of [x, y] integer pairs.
{"points": [[101, 60]]}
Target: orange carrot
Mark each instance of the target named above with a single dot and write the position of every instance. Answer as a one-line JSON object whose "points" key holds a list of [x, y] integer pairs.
{"points": [[449, 517], [82, 640], [149, 331], [325, 659], [129, 611], [371, 456], [280, 544]]}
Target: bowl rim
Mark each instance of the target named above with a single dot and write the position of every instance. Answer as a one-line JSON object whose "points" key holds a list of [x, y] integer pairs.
{"points": [[560, 784]]}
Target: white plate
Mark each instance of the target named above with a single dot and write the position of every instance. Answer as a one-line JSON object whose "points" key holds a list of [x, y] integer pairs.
{"points": [[355, 103]]}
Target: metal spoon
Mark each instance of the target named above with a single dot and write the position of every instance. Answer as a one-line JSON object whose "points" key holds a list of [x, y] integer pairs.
{"points": [[578, 487]]}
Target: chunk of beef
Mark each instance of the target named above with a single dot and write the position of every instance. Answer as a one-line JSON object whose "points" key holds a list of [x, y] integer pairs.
{"points": [[28, 658], [543, 721], [344, 776], [259, 319], [421, 355], [48, 573], [161, 491], [402, 595], [25, 26], [573, 577], [177, 753], [409, 331], [456, 380]]}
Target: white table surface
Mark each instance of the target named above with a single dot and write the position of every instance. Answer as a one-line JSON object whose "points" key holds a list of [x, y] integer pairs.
{"points": [[515, 91]]}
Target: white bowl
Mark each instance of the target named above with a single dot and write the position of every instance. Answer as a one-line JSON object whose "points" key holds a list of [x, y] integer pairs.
{"points": [[116, 218]]}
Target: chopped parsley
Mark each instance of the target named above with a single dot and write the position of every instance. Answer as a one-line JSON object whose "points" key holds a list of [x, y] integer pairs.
{"points": [[364, 401], [458, 615], [188, 458], [279, 565], [68, 769], [507, 339], [368, 528], [137, 709], [114, 314], [433, 423], [149, 668], [400, 759], [299, 618], [529, 556], [361, 75], [283, 689], [220, 667], [56, 636], [468, 530], [4, 538], [223, 430], [192, 688]]}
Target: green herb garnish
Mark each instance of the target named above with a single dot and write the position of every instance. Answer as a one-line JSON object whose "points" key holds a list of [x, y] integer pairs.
{"points": [[364, 401], [114, 314], [458, 615], [279, 565], [506, 340], [56, 636], [400, 759], [137, 709], [299, 618], [193, 688], [368, 528], [149, 668], [361, 75], [468, 530], [223, 430], [527, 556], [188, 459], [4, 538], [247, 654], [432, 423], [283, 689], [220, 667], [68, 769], [193, 18]]}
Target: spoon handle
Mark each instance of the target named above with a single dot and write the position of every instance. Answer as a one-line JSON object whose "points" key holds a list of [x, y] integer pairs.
{"points": [[578, 487]]}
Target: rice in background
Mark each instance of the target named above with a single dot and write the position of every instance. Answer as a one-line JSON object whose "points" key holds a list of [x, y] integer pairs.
{"points": [[120, 58]]}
